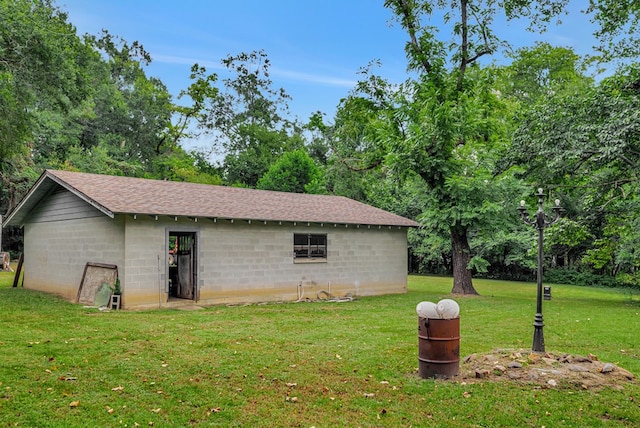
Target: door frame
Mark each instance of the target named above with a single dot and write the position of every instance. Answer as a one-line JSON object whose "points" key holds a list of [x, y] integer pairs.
{"points": [[196, 262]]}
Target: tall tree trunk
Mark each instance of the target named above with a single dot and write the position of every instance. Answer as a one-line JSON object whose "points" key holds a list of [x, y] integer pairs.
{"points": [[461, 255]]}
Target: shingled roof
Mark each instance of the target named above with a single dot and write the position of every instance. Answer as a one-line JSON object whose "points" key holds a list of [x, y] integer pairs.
{"points": [[126, 195]]}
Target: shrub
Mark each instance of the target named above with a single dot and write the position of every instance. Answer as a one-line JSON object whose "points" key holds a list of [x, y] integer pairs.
{"points": [[581, 278]]}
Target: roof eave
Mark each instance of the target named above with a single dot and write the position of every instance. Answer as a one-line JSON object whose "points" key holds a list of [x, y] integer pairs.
{"points": [[8, 219], [295, 222]]}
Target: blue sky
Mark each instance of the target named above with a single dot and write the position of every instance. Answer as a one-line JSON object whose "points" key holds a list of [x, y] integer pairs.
{"points": [[316, 47]]}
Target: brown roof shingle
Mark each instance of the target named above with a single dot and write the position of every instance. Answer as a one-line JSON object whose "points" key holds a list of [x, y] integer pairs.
{"points": [[155, 197]]}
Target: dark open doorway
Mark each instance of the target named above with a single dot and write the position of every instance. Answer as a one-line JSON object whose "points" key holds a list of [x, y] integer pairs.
{"points": [[182, 259]]}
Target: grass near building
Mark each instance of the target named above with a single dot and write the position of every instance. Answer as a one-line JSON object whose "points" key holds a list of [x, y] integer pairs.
{"points": [[305, 364]]}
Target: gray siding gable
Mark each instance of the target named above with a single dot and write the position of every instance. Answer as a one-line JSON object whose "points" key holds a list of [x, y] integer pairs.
{"points": [[61, 205]]}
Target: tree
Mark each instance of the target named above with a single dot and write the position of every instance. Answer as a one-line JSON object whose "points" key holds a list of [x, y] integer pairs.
{"points": [[246, 118], [587, 132], [538, 71], [180, 165], [444, 126], [588, 142], [132, 111], [202, 92], [120, 126], [86, 104], [35, 38], [293, 172]]}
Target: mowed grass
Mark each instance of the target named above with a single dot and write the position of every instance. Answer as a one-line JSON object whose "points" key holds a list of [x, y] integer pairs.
{"points": [[304, 364]]}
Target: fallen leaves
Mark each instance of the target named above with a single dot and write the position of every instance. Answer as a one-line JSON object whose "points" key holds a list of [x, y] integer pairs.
{"points": [[67, 378]]}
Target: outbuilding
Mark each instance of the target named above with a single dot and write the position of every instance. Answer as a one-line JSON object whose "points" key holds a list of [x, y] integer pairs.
{"points": [[176, 243]]}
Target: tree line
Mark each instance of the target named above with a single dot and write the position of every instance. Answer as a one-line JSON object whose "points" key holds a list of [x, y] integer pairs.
{"points": [[455, 146]]}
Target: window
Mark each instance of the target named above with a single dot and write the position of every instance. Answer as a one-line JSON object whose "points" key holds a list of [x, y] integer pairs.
{"points": [[309, 246]]}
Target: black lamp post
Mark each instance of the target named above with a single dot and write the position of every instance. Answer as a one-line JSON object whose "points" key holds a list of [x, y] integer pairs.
{"points": [[539, 221]]}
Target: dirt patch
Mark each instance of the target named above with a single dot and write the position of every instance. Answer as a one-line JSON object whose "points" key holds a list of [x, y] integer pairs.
{"points": [[548, 370]]}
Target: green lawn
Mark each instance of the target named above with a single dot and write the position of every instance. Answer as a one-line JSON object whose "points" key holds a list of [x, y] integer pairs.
{"points": [[304, 364]]}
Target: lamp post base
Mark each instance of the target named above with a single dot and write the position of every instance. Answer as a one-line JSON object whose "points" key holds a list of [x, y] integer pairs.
{"points": [[538, 334]]}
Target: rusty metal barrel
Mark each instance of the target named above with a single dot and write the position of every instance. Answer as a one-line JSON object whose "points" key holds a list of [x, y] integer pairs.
{"points": [[438, 347]]}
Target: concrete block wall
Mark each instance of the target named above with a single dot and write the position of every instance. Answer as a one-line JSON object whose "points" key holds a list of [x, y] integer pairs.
{"points": [[56, 252], [145, 250], [247, 263]]}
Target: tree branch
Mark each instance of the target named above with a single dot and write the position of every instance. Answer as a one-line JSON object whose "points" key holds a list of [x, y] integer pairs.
{"points": [[360, 169], [626, 160], [478, 55], [464, 45], [409, 21]]}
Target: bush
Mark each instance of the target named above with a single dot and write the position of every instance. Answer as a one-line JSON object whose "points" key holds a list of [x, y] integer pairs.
{"points": [[576, 277], [631, 280]]}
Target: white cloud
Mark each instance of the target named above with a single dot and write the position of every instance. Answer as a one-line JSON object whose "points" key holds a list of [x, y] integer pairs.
{"points": [[314, 78], [171, 59], [283, 74]]}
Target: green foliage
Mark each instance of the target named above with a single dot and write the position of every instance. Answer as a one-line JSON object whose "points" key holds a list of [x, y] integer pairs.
{"points": [[510, 253], [14, 126], [133, 111], [586, 139], [540, 71], [202, 92], [618, 24], [582, 278], [585, 130], [602, 255], [616, 250], [568, 233], [17, 176], [116, 287], [478, 264], [248, 164], [97, 159], [293, 172], [35, 38], [629, 280], [567, 239], [431, 253], [425, 131], [182, 166], [447, 126], [244, 115], [86, 104]]}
